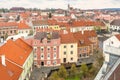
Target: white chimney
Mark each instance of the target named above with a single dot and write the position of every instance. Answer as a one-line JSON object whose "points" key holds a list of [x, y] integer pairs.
{"points": [[65, 32], [3, 60], [82, 31]]}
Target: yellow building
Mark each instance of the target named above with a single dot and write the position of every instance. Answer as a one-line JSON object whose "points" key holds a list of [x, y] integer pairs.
{"points": [[54, 27], [68, 48]]}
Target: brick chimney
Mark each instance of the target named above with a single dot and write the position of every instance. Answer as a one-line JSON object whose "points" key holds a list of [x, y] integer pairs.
{"points": [[3, 60]]}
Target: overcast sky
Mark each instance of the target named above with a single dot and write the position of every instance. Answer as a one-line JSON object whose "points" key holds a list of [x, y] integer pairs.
{"points": [[42, 4]]}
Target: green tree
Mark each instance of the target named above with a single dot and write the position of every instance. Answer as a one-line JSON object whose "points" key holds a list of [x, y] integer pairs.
{"points": [[6, 35], [84, 69], [31, 33], [50, 15], [54, 76], [62, 72], [73, 70]]}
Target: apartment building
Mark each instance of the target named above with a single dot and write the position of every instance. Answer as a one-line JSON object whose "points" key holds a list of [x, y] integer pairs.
{"points": [[46, 49]]}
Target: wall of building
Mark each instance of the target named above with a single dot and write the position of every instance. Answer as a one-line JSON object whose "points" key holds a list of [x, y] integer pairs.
{"points": [[46, 54], [65, 52], [27, 67]]}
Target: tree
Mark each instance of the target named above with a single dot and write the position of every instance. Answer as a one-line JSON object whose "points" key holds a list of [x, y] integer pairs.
{"points": [[50, 15], [84, 69], [73, 70], [54, 76], [6, 35], [62, 72], [31, 32]]}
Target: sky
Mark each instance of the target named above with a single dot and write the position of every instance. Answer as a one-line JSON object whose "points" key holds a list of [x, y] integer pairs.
{"points": [[43, 4]]}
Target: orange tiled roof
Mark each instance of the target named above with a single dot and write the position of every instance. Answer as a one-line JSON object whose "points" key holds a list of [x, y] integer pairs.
{"points": [[23, 25], [68, 38], [10, 71], [8, 24], [118, 36], [16, 51], [82, 39], [78, 37]]}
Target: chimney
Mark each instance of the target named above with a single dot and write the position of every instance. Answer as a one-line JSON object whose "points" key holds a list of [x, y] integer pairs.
{"points": [[82, 31], [3, 60], [65, 32]]}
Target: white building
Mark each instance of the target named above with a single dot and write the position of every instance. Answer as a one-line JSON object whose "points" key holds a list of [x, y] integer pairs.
{"points": [[111, 53]]}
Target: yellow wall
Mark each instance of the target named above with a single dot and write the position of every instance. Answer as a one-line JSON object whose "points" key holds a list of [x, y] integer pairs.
{"points": [[68, 50], [27, 67], [55, 27]]}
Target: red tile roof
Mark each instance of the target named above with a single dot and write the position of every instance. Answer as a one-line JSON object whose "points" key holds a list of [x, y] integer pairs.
{"points": [[82, 39], [16, 51], [8, 24], [118, 36], [68, 38], [78, 37], [10, 71], [23, 25]]}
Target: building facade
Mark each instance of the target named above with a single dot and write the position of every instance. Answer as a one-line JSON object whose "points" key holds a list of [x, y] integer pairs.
{"points": [[46, 49]]}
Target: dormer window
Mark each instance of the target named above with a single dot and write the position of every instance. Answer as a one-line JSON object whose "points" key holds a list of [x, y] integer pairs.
{"points": [[81, 41]]}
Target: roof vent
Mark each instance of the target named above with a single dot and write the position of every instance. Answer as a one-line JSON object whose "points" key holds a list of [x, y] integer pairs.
{"points": [[10, 73]]}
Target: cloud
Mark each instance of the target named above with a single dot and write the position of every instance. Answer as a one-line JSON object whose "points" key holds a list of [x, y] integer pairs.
{"points": [[83, 4]]}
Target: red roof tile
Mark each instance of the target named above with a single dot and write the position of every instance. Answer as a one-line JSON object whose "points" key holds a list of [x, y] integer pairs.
{"points": [[16, 51], [10, 71], [23, 25], [8, 24], [118, 36], [68, 38]]}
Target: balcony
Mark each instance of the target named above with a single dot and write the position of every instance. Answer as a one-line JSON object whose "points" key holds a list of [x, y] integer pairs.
{"points": [[112, 50]]}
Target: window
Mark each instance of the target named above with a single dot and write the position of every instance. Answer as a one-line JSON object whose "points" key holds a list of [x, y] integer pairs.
{"points": [[26, 31], [71, 59], [111, 42], [11, 32], [54, 63], [71, 52], [80, 55], [84, 55], [42, 49], [64, 46], [48, 62], [35, 56], [48, 49], [54, 55], [35, 42], [48, 56], [64, 60], [35, 50], [54, 49], [71, 46], [42, 56], [64, 53], [35, 62]]}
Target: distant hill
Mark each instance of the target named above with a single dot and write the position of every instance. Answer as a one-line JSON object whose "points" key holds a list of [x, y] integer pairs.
{"points": [[112, 9]]}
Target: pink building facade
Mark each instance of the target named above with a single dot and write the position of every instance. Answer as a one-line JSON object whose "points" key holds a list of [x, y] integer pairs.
{"points": [[46, 49]]}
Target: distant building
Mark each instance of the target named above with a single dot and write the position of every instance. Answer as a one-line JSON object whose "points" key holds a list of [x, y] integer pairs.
{"points": [[16, 60], [8, 28], [17, 9], [115, 25]]}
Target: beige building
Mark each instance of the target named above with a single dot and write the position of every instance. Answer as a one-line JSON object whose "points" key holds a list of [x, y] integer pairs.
{"points": [[68, 49]]}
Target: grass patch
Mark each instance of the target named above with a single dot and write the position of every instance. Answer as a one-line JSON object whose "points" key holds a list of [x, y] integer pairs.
{"points": [[76, 78]]}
